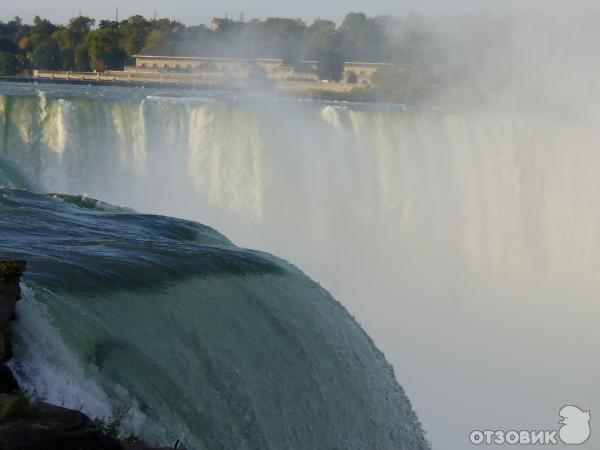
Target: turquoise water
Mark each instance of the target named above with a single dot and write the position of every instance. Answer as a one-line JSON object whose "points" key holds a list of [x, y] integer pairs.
{"points": [[188, 336]]}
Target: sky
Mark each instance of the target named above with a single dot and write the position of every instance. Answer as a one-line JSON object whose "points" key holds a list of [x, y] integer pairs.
{"points": [[192, 12]]}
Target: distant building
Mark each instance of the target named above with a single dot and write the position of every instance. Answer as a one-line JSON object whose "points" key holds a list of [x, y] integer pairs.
{"points": [[274, 69], [364, 71], [166, 63], [230, 67]]}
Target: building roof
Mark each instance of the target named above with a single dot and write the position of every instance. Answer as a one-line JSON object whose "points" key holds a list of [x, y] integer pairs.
{"points": [[202, 58]]}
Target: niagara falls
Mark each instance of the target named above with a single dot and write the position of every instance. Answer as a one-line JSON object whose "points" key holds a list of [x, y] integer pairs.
{"points": [[266, 234]]}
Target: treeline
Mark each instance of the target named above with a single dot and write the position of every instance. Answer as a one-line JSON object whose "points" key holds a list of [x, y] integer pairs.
{"points": [[83, 45], [77, 46], [358, 38]]}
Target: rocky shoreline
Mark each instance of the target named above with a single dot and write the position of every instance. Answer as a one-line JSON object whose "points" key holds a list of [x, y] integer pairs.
{"points": [[26, 425]]}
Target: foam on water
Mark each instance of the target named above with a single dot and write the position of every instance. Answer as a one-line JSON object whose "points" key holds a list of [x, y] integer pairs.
{"points": [[45, 368]]}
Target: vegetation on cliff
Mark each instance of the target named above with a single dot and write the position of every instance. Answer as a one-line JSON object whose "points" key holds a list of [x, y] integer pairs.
{"points": [[84, 45]]}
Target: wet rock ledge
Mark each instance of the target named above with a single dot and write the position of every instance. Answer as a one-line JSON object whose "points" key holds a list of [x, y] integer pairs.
{"points": [[26, 425], [10, 293]]}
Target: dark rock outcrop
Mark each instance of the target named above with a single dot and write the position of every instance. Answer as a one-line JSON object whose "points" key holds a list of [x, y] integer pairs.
{"points": [[8, 383], [43, 427], [10, 293]]}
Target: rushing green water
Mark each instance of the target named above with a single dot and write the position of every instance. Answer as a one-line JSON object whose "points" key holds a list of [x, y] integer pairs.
{"points": [[196, 338]]}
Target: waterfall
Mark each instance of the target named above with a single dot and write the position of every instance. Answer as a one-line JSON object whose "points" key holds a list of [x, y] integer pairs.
{"points": [[466, 243]]}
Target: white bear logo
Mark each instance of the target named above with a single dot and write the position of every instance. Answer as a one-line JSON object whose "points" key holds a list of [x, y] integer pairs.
{"points": [[575, 428]]}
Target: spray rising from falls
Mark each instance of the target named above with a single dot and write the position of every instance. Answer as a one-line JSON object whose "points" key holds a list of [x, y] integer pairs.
{"points": [[466, 243], [278, 164]]}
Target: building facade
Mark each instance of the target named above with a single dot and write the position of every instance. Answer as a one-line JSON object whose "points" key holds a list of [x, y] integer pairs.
{"points": [[272, 69]]}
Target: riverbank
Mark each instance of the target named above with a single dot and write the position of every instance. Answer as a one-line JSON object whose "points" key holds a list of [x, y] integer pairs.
{"points": [[293, 88], [105, 82], [179, 79]]}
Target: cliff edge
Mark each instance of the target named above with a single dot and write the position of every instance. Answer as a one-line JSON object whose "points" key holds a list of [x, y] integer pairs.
{"points": [[10, 293], [26, 425]]}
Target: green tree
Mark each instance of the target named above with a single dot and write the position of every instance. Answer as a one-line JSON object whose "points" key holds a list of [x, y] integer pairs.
{"points": [[46, 55], [361, 37], [11, 28], [165, 36], [354, 22], [331, 65], [109, 25], [69, 38], [79, 27], [42, 27], [322, 34], [8, 45], [285, 38], [8, 64], [15, 29], [156, 39], [104, 50], [82, 57], [134, 31]]}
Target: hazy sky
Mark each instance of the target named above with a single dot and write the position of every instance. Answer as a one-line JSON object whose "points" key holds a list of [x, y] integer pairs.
{"points": [[194, 12]]}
